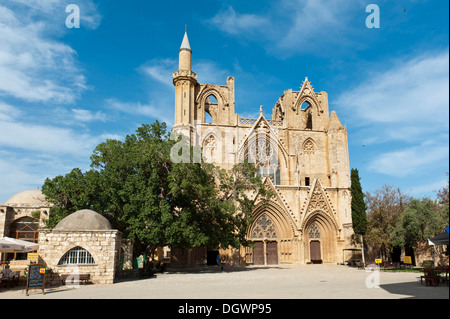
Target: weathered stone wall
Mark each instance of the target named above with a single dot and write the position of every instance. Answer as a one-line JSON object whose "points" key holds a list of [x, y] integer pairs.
{"points": [[104, 246]]}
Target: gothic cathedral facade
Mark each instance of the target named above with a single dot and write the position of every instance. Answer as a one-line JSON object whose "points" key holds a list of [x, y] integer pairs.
{"points": [[301, 153]]}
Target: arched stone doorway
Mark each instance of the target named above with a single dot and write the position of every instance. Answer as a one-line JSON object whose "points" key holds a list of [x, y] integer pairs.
{"points": [[272, 235], [320, 238], [264, 235]]}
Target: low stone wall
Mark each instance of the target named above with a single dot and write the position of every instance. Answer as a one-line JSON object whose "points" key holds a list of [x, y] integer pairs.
{"points": [[103, 245]]}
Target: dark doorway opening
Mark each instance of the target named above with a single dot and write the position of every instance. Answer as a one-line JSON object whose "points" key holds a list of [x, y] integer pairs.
{"points": [[396, 253], [211, 257]]}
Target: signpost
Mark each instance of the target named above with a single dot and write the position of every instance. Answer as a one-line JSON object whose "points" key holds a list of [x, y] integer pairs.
{"points": [[33, 256], [36, 277], [378, 261]]}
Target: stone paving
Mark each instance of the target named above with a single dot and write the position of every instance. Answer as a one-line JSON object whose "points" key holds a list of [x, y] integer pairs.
{"points": [[279, 282]]}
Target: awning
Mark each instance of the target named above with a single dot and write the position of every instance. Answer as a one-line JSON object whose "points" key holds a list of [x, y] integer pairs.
{"points": [[11, 245], [440, 239]]}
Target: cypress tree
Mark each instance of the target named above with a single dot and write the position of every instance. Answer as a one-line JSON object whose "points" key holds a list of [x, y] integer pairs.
{"points": [[358, 205]]}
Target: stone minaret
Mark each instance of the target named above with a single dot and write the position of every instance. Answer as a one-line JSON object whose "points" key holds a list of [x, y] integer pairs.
{"points": [[185, 81]]}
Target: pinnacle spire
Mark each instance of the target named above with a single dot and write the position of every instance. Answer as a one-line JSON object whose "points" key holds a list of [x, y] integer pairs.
{"points": [[185, 43]]}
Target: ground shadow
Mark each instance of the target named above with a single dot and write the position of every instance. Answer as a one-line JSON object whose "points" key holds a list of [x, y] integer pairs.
{"points": [[217, 269], [414, 290]]}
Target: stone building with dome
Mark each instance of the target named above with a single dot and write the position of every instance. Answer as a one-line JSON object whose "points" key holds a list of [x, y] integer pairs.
{"points": [[82, 243], [21, 216]]}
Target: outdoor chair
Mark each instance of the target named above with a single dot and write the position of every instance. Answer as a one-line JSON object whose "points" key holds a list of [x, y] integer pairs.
{"points": [[431, 278]]}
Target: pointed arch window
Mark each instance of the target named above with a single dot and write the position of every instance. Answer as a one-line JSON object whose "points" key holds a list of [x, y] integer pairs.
{"points": [[314, 232], [77, 256], [309, 124], [308, 147], [211, 104], [264, 228], [305, 105], [263, 154]]}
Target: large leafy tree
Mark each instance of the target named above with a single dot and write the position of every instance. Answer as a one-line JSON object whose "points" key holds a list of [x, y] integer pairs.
{"points": [[384, 209], [419, 222], [156, 202]]}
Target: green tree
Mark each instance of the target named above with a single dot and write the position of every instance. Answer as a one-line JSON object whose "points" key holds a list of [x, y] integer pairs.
{"points": [[156, 202], [358, 204], [419, 221], [443, 203], [74, 191]]}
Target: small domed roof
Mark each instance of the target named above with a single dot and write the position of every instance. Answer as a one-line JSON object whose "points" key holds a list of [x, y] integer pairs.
{"points": [[29, 197], [84, 219]]}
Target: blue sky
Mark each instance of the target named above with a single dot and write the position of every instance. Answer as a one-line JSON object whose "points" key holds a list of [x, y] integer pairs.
{"points": [[63, 91]]}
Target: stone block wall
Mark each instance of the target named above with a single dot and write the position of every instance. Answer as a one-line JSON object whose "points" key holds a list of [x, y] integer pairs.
{"points": [[104, 246]]}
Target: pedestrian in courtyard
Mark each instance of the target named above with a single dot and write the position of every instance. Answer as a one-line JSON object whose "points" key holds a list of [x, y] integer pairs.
{"points": [[219, 263]]}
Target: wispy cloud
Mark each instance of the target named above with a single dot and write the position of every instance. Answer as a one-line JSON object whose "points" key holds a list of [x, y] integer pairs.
{"points": [[402, 111], [148, 111], [408, 102], [53, 11], [44, 138], [290, 27], [231, 22], [33, 67], [89, 116], [402, 162], [160, 70], [426, 189]]}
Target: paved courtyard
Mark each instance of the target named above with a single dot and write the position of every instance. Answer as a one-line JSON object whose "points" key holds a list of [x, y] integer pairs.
{"points": [[280, 282]]}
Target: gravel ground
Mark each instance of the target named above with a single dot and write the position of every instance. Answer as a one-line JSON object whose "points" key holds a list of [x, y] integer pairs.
{"points": [[279, 282]]}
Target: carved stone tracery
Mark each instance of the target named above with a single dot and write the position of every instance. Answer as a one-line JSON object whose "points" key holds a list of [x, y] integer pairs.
{"points": [[264, 228]]}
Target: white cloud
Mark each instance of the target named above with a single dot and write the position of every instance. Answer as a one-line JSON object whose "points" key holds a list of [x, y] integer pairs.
{"points": [[316, 23], [88, 116], [290, 27], [412, 91], [408, 102], [407, 161], [403, 108], [8, 112], [55, 11], [210, 72], [28, 136], [433, 187], [47, 139], [160, 70], [234, 23], [34, 68], [149, 111]]}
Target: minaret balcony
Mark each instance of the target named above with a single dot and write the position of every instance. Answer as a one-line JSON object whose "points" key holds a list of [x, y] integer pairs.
{"points": [[185, 73]]}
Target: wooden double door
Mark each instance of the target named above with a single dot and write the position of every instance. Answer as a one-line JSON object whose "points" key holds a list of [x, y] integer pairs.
{"points": [[265, 253]]}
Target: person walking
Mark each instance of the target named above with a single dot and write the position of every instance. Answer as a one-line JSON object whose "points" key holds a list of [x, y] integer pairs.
{"points": [[218, 262]]}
